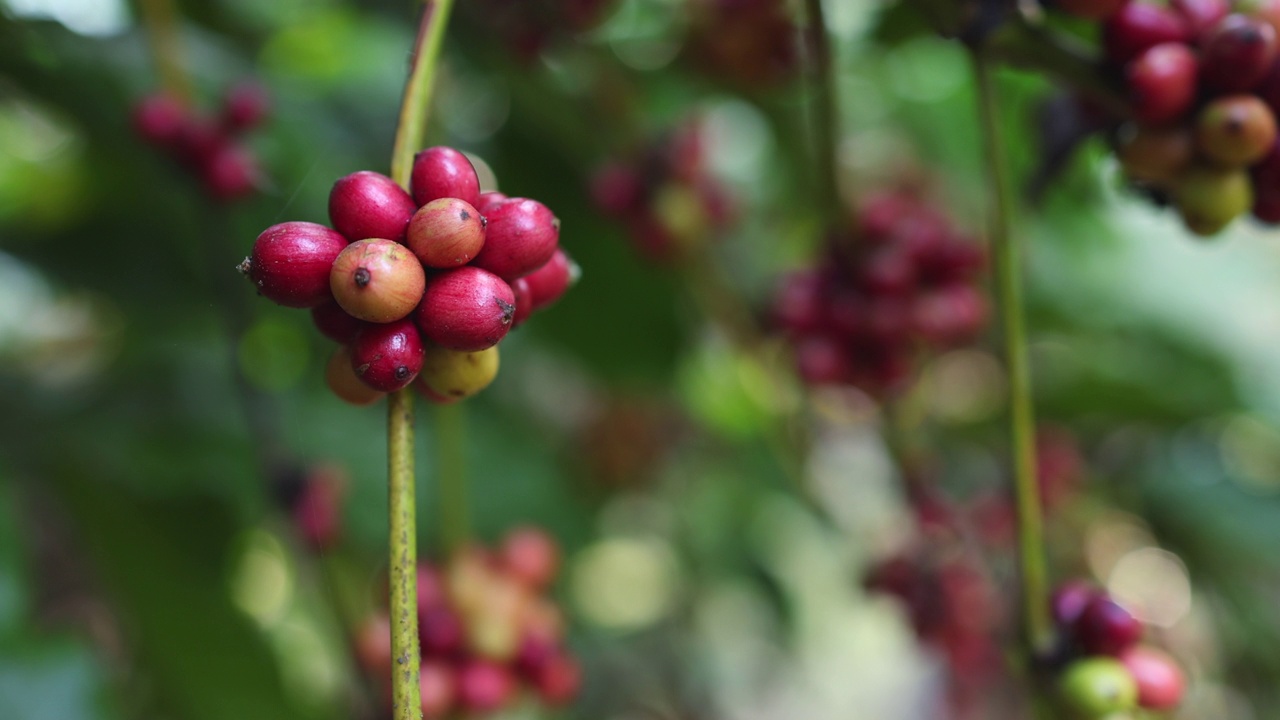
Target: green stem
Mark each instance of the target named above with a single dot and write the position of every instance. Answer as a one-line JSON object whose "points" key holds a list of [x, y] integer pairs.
{"points": [[402, 547], [160, 20], [451, 436], [1008, 290], [823, 115]]}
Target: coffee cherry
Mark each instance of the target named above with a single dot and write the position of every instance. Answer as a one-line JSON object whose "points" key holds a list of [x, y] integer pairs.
{"points": [[558, 680], [1069, 600], [442, 172], [530, 556], [317, 511], [1105, 627], [1158, 677], [230, 172], [377, 280], [466, 309], [245, 106], [1156, 155], [798, 303], [446, 233], [1141, 25], [367, 204], [1266, 186], [440, 632], [521, 237], [489, 200], [822, 360], [484, 686], [950, 315], [197, 142], [1201, 15], [341, 379], [1096, 687], [1210, 198], [334, 323], [290, 263], [159, 119], [1237, 54], [1090, 9], [387, 357], [1162, 82], [524, 301], [452, 375], [437, 687], [1235, 130], [551, 281], [888, 270]]}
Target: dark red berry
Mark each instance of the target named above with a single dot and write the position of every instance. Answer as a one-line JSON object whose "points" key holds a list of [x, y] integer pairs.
{"points": [[524, 301], [822, 360], [387, 357], [1069, 601], [484, 686], [291, 261], [521, 236], [616, 189], [1237, 54], [198, 141], [489, 200], [367, 204], [1159, 679], [159, 119], [231, 172], [1162, 82], [1141, 25], [446, 233], [1106, 628], [888, 271], [466, 309], [334, 323], [798, 303], [442, 172], [317, 511], [551, 281], [440, 631], [949, 315], [245, 106], [377, 280]]}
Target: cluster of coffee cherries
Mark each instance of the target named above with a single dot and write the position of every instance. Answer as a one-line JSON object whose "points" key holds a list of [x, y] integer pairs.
{"points": [[486, 630], [415, 285], [1204, 85], [531, 26], [748, 43], [666, 195], [906, 282], [1103, 671], [208, 146]]}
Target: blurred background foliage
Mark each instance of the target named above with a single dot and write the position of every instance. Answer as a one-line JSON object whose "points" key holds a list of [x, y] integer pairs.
{"points": [[146, 572]]}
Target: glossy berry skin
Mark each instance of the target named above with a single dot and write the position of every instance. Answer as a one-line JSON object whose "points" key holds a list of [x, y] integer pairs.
{"points": [[1159, 679], [1209, 198], [452, 375], [442, 172], [245, 106], [1162, 81], [377, 280], [521, 237], [550, 282], [530, 556], [1265, 177], [1237, 54], [341, 378], [524, 301], [230, 172], [290, 263], [387, 357], [1106, 628], [1141, 25], [159, 119], [484, 686], [1201, 15], [1096, 687], [1069, 600], [446, 233], [1235, 130], [367, 204], [467, 309], [334, 323]]}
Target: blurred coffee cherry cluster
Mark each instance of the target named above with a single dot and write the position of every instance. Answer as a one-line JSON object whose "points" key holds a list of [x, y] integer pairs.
{"points": [[751, 44]]}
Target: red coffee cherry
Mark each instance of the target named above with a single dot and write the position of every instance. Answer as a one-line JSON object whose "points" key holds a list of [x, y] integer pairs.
{"points": [[1141, 25], [334, 323], [466, 309], [1106, 628], [1235, 130], [230, 172], [342, 381], [442, 172], [446, 233], [530, 556], [1201, 15], [823, 360], [290, 263], [1162, 82], [1237, 54], [521, 237], [484, 686], [551, 281], [159, 119], [377, 280], [245, 106], [197, 142], [440, 632], [317, 512], [558, 680], [367, 204], [387, 357], [798, 303], [438, 688], [1090, 9], [950, 315], [489, 200], [1159, 679], [524, 301]]}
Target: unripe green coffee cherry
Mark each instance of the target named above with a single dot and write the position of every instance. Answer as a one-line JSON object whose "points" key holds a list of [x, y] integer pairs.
{"points": [[456, 375], [1096, 688], [1210, 198]]}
